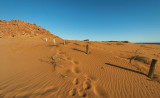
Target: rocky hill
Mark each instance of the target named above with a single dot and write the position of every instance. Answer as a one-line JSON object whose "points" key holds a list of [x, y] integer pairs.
{"points": [[17, 28]]}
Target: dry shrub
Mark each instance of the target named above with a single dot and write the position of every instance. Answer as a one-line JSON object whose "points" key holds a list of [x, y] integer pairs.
{"points": [[145, 46], [119, 43], [143, 59], [1, 35], [108, 43], [156, 77], [140, 68]]}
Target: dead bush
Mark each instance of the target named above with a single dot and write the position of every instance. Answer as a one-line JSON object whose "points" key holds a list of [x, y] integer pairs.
{"points": [[1, 35], [143, 59], [119, 43]]}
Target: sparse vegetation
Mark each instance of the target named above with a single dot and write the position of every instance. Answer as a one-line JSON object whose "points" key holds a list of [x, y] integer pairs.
{"points": [[1, 35], [144, 46], [156, 77], [140, 68], [143, 59], [108, 43], [64, 75], [119, 43], [140, 58], [132, 58], [56, 60]]}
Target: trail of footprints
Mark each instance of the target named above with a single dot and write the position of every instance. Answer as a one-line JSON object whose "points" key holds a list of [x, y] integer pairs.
{"points": [[83, 85], [74, 69], [80, 88]]}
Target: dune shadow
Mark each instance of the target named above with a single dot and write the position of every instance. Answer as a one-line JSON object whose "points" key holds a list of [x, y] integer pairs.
{"points": [[78, 50], [126, 69]]}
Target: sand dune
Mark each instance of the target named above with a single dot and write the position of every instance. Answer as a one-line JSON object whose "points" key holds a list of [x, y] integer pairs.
{"points": [[31, 67]]}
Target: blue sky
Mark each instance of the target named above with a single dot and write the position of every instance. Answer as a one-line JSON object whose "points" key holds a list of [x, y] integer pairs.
{"points": [[99, 20]]}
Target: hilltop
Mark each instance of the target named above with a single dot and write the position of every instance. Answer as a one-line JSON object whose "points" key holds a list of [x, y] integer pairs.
{"points": [[17, 28]]}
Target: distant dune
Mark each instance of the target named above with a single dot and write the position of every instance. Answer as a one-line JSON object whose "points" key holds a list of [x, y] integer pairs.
{"points": [[33, 66]]}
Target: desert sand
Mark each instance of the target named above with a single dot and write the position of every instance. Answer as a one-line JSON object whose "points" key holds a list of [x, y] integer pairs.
{"points": [[31, 67]]}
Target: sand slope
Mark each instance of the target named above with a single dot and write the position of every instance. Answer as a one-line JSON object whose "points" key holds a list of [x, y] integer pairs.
{"points": [[33, 68]]}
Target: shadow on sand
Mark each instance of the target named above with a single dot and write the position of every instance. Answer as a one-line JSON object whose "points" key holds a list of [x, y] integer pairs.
{"points": [[126, 69], [78, 50]]}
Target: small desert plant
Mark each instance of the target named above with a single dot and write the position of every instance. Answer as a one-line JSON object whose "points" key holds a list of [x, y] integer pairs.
{"points": [[140, 58], [4, 31], [119, 43], [64, 75], [108, 43], [143, 59], [140, 68], [132, 58], [1, 35], [156, 77], [145, 46], [54, 62]]}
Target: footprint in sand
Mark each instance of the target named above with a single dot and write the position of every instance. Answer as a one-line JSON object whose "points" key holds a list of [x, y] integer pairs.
{"points": [[100, 92], [72, 92], [69, 58], [75, 81], [76, 62], [82, 93], [87, 84], [82, 90], [75, 69]]}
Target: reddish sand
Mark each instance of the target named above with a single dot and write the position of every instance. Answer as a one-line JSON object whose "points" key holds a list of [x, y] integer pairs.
{"points": [[30, 67]]}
